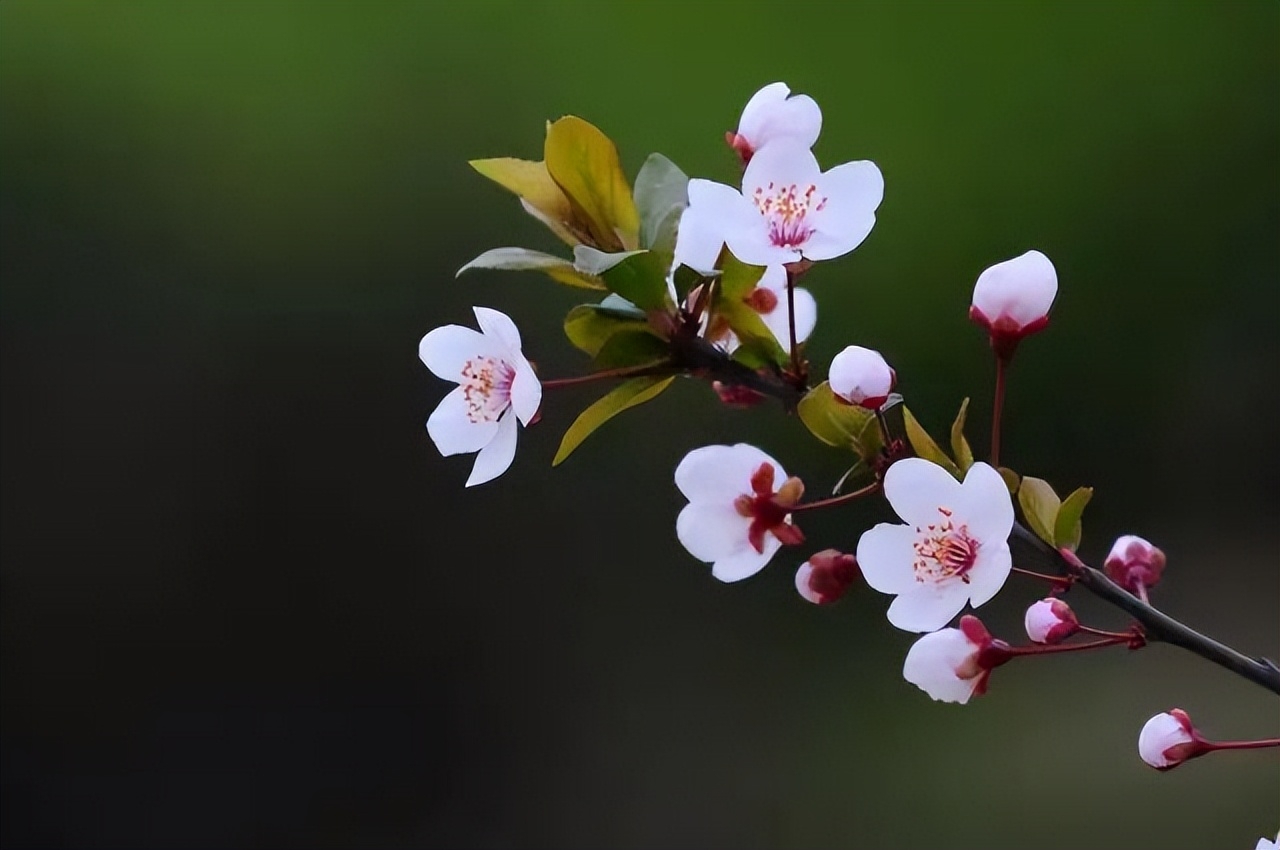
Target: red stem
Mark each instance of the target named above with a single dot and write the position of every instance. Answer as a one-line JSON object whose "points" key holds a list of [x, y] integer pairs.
{"points": [[837, 500], [1058, 581], [1067, 647], [621, 372], [997, 410], [1241, 745]]}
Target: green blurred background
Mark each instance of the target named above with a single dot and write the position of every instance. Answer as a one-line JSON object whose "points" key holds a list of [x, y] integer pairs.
{"points": [[246, 603]]}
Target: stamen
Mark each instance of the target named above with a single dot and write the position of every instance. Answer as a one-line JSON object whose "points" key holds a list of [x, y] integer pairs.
{"points": [[486, 387]]}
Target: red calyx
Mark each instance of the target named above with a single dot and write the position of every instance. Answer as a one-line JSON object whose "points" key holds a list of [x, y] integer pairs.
{"points": [[1006, 333], [831, 574], [762, 300], [740, 146], [768, 510], [736, 395]]}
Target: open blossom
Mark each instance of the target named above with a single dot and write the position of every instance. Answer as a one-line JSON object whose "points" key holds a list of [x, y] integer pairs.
{"points": [[1134, 563], [1266, 844], [952, 665], [774, 113], [496, 386], [953, 549], [735, 519], [1012, 299], [1168, 739], [788, 209], [826, 576], [1050, 621], [769, 299], [861, 376]]}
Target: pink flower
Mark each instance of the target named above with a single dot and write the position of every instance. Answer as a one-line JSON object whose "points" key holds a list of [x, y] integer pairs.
{"points": [[774, 113], [1134, 564], [861, 376], [952, 665], [1168, 739], [1011, 300], [826, 576], [1051, 621]]}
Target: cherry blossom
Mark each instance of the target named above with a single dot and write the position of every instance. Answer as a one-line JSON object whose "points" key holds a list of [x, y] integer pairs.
{"points": [[735, 519], [1168, 739], [496, 386], [774, 113], [1267, 844], [1134, 564], [826, 576], [861, 376], [952, 665], [1050, 621], [953, 549], [1011, 300]]}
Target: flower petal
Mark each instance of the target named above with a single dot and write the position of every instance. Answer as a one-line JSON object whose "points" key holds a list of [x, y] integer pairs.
{"points": [[446, 350], [698, 240], [928, 607], [526, 390], [990, 571], [498, 325], [745, 563], [931, 664], [778, 321], [985, 505], [853, 192], [886, 554], [802, 584], [720, 474], [1021, 289], [452, 430], [771, 115], [712, 531], [916, 488], [495, 458], [783, 163]]}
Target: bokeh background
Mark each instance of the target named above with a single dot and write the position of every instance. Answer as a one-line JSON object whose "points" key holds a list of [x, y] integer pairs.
{"points": [[246, 603]]}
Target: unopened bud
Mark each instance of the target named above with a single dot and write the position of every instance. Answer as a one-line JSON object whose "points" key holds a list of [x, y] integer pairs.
{"points": [[1169, 739], [1134, 564], [1011, 300], [861, 376], [826, 576], [1051, 621]]}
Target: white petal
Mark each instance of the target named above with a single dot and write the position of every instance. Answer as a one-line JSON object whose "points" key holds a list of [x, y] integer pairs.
{"points": [[916, 488], [745, 563], [452, 430], [853, 192], [783, 163], [526, 390], [698, 240], [985, 505], [929, 606], [495, 458], [989, 571], [857, 374], [499, 326], [932, 662], [445, 351], [779, 322], [1040, 619], [886, 555], [802, 584], [720, 474], [1158, 735], [770, 115], [1022, 289], [712, 531]]}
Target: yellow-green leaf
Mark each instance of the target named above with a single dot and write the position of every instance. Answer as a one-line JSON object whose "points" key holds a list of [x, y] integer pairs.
{"points": [[736, 282], [632, 347], [583, 162], [590, 326], [924, 445], [542, 198], [627, 394], [521, 259], [1068, 528], [1040, 507], [1011, 479], [959, 445], [839, 424], [641, 278]]}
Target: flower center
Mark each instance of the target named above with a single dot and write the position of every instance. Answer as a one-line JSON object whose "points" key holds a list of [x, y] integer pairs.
{"points": [[787, 209], [768, 510], [486, 386], [944, 551]]}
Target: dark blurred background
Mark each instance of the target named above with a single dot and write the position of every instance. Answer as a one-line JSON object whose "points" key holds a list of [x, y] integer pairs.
{"points": [[246, 603]]}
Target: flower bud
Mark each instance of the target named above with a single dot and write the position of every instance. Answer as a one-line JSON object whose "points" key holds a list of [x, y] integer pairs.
{"points": [[736, 395], [826, 576], [861, 376], [1134, 564], [1051, 621], [1011, 300], [952, 665], [1169, 739]]}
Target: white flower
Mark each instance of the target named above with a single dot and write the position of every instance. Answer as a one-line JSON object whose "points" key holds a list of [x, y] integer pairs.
{"points": [[774, 113], [1012, 299], [947, 664], [1167, 740], [1264, 844], [861, 376], [788, 209], [769, 299], [735, 520], [954, 548], [1050, 621], [496, 386], [1133, 563], [826, 576]]}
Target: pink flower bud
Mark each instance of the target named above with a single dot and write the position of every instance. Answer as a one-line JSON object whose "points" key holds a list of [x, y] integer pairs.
{"points": [[1051, 621], [826, 576], [1169, 739], [952, 665], [1011, 300], [861, 376], [1134, 564]]}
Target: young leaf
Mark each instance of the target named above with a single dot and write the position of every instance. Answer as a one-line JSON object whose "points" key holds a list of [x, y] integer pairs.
{"points": [[959, 445], [520, 259], [590, 326], [839, 424], [627, 394], [593, 261], [641, 278], [661, 196], [632, 348], [737, 281], [924, 445], [685, 279], [583, 162], [539, 194], [1040, 507], [1067, 528], [1011, 479]]}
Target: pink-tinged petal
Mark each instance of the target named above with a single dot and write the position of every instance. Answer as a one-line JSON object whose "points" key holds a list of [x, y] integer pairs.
{"points": [[932, 662], [745, 563], [771, 115], [916, 488], [985, 505], [712, 531], [720, 474], [495, 458], [989, 572], [779, 322], [928, 607], [446, 350], [886, 554], [1158, 736], [453, 431], [859, 375], [698, 241], [802, 584], [785, 162], [1021, 289], [499, 326], [853, 192], [526, 390]]}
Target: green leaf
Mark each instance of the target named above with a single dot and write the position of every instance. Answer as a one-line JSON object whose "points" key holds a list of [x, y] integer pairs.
{"points": [[627, 394], [737, 281], [924, 445], [1011, 479], [641, 278], [959, 445], [522, 259], [1067, 527], [593, 261], [836, 423], [542, 198], [590, 326], [1040, 507], [583, 162], [662, 193], [632, 348], [685, 280]]}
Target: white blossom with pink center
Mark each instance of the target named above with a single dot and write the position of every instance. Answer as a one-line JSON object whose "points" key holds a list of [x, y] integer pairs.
{"points": [[774, 113], [1167, 740], [953, 549], [735, 520], [496, 386]]}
